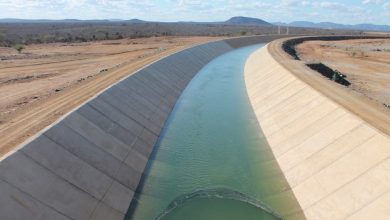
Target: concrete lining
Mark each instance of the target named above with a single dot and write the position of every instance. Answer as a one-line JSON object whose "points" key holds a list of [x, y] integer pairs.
{"points": [[89, 163], [336, 163]]}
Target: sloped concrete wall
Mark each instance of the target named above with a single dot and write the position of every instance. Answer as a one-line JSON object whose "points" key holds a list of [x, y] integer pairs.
{"points": [[337, 165], [88, 165]]}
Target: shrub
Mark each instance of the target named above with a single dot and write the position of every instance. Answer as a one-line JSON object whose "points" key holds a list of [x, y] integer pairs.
{"points": [[19, 47]]}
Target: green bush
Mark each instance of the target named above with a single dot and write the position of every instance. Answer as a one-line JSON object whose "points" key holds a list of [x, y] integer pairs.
{"points": [[19, 47]]}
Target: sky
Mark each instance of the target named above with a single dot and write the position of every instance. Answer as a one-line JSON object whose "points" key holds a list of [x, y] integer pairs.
{"points": [[346, 12]]}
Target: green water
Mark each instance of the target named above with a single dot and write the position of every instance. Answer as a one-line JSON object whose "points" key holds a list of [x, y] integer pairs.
{"points": [[212, 141], [218, 209]]}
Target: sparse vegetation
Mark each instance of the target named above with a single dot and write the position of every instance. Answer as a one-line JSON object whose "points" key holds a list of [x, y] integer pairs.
{"points": [[30, 33], [289, 46], [363, 59], [19, 47], [357, 53]]}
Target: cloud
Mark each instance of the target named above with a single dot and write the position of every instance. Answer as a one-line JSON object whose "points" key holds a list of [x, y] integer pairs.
{"points": [[201, 10], [71, 4], [249, 6], [386, 6], [305, 3], [376, 2], [290, 3], [330, 5]]}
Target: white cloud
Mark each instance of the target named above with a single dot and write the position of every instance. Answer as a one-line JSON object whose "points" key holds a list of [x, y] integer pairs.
{"points": [[71, 4], [329, 5], [377, 2], [386, 6], [290, 3], [305, 3], [201, 10]]}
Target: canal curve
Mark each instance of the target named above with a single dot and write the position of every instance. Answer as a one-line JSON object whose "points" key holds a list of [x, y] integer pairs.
{"points": [[211, 140]]}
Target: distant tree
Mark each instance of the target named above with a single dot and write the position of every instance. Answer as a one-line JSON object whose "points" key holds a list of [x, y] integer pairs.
{"points": [[19, 47], [48, 38], [243, 33], [118, 35], [1, 38], [69, 37]]}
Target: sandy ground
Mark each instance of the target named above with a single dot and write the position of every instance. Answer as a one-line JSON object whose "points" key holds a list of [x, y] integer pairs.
{"points": [[365, 62], [46, 81], [376, 33]]}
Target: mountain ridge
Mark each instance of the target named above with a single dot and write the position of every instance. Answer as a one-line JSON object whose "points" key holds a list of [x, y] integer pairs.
{"points": [[237, 20], [332, 25]]}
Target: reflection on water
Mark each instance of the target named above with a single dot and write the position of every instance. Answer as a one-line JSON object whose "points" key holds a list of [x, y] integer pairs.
{"points": [[214, 203], [212, 140]]}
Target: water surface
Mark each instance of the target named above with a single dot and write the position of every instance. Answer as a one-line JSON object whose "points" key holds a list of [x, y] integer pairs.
{"points": [[212, 143]]}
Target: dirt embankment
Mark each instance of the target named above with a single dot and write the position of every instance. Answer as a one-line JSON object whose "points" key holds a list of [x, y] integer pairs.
{"points": [[46, 81], [365, 62]]}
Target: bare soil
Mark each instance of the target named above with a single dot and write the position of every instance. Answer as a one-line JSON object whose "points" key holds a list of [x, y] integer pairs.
{"points": [[373, 112], [365, 62], [46, 81]]}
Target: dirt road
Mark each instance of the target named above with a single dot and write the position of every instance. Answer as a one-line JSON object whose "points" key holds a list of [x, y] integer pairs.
{"points": [[46, 81]]}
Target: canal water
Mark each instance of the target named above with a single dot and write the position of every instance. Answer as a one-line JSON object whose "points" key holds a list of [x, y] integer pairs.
{"points": [[212, 162]]}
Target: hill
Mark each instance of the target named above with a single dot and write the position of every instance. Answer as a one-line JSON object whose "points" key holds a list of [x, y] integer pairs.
{"points": [[247, 21], [331, 25]]}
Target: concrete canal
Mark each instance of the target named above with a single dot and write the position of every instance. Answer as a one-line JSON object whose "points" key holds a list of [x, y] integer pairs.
{"points": [[210, 161]]}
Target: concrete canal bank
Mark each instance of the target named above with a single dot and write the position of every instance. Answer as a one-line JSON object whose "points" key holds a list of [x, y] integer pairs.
{"points": [[337, 164]]}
